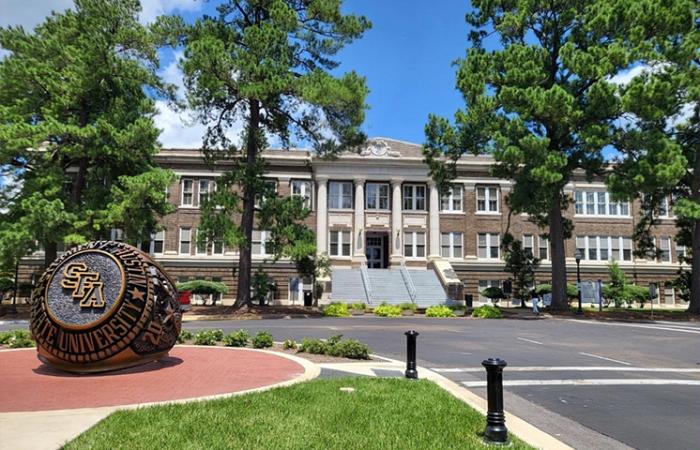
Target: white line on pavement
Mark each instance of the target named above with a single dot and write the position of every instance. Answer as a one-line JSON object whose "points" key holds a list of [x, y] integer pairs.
{"points": [[633, 325], [589, 382], [530, 340], [605, 358], [677, 325], [570, 369]]}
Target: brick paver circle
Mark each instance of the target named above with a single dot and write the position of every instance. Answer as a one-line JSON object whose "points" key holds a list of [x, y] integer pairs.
{"points": [[26, 384]]}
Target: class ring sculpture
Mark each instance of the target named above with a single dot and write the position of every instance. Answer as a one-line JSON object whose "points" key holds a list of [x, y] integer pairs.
{"points": [[104, 306]]}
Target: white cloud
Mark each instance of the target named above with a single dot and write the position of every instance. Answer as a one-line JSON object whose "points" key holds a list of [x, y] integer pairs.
{"points": [[154, 8], [623, 78], [17, 12]]}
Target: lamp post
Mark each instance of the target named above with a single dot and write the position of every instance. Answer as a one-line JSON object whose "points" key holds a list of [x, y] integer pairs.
{"points": [[577, 255]]}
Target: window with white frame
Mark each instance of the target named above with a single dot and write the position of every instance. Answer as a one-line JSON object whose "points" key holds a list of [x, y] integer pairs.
{"points": [[259, 242], [340, 243], [598, 203], [377, 196], [185, 240], [218, 247], [187, 187], [669, 293], [680, 252], [604, 248], [488, 245], [340, 195], [665, 249], [116, 234], [543, 248], [451, 200], [451, 245], [155, 245], [206, 187], [202, 245], [487, 199], [302, 189], [529, 243], [270, 190], [414, 197], [485, 284], [414, 244]]}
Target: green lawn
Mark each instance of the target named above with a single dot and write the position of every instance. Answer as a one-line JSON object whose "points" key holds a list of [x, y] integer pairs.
{"points": [[379, 414]]}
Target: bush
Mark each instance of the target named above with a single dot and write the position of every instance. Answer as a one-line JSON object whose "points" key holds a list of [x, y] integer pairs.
{"points": [[349, 348], [6, 284], [238, 338], [336, 310], [313, 346], [205, 337], [218, 334], [408, 306], [203, 287], [17, 339], [358, 306], [493, 293], [289, 344], [487, 312], [263, 339], [385, 310], [439, 311], [185, 335]]}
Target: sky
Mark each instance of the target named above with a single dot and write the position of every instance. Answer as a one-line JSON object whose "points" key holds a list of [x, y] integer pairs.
{"points": [[406, 57]]}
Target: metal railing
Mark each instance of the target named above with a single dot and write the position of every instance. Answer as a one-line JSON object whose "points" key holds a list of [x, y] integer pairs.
{"points": [[409, 282], [365, 281]]}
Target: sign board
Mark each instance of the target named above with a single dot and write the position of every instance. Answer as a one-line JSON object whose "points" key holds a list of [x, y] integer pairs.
{"points": [[589, 292], [547, 299]]}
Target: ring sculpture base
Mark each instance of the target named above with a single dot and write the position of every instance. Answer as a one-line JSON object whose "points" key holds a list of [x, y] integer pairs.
{"points": [[104, 306]]}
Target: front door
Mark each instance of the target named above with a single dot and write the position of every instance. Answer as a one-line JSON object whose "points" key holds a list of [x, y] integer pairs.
{"points": [[375, 252]]}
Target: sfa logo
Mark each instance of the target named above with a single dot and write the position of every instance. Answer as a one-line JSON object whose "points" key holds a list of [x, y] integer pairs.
{"points": [[85, 285]]}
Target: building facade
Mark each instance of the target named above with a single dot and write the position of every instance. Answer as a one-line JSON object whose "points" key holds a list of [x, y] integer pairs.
{"points": [[379, 208]]}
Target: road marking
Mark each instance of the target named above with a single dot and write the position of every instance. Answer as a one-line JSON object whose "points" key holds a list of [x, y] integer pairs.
{"points": [[570, 369], [530, 340], [650, 327], [676, 325], [589, 382], [603, 357]]}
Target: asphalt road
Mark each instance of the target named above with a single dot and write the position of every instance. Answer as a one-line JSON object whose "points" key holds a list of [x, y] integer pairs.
{"points": [[596, 385]]}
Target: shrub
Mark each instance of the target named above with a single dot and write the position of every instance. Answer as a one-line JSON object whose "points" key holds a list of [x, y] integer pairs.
{"points": [[205, 337], [238, 338], [218, 334], [313, 346], [185, 335], [203, 287], [6, 284], [385, 310], [289, 344], [487, 312], [349, 348], [439, 311], [262, 339], [17, 339], [336, 310], [408, 306], [358, 306], [494, 293]]}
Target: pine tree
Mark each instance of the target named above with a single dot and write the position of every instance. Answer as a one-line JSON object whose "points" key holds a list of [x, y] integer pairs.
{"points": [[521, 264], [542, 104], [265, 65], [77, 136]]}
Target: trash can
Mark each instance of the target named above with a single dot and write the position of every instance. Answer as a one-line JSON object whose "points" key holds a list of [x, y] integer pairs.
{"points": [[469, 300]]}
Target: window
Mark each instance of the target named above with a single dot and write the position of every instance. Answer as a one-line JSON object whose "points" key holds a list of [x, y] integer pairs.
{"points": [[185, 240], [483, 284], [202, 245], [340, 243], [488, 246], [270, 190], [598, 203], [116, 234], [218, 247], [259, 241], [663, 207], [154, 246], [487, 199], [604, 248], [451, 245], [187, 192], [680, 252], [528, 243], [206, 187], [452, 199], [414, 197], [544, 248], [340, 195], [414, 244], [302, 189], [669, 293], [377, 196], [665, 249]]}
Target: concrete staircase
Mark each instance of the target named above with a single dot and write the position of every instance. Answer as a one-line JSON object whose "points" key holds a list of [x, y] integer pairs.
{"points": [[347, 286], [429, 291], [388, 287]]}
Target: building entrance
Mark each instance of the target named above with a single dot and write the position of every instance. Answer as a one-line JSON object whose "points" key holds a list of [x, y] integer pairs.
{"points": [[376, 251]]}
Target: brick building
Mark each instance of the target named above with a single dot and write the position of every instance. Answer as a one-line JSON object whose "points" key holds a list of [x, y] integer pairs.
{"points": [[378, 209]]}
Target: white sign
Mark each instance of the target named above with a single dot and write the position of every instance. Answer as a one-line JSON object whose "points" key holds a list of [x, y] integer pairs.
{"points": [[589, 292]]}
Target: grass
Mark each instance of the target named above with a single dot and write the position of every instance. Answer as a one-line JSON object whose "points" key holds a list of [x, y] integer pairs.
{"points": [[379, 414]]}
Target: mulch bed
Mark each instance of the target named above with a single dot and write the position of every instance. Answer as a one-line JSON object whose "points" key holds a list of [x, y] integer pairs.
{"points": [[678, 316], [254, 311], [309, 356]]}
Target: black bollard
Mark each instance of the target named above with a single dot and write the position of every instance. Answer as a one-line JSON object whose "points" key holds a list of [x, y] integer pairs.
{"points": [[411, 371], [496, 431]]}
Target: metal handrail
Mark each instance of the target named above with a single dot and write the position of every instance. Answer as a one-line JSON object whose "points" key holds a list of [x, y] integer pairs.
{"points": [[365, 281], [409, 282]]}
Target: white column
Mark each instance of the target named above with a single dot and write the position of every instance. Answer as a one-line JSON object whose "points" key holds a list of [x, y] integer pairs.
{"points": [[396, 237], [322, 215], [434, 221], [359, 228]]}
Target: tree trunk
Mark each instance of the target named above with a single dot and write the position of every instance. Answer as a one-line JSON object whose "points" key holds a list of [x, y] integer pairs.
{"points": [[50, 253], [694, 306], [248, 216], [556, 239]]}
